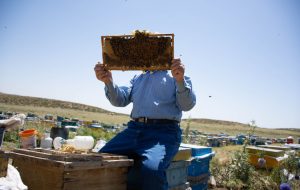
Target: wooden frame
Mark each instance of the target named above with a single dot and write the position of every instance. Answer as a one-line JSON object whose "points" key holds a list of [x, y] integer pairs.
{"points": [[144, 59]]}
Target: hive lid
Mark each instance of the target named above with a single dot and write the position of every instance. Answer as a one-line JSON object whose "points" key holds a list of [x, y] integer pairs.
{"points": [[72, 160]]}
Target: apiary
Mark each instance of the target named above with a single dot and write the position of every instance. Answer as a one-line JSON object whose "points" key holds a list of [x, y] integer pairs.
{"points": [[53, 170], [141, 51]]}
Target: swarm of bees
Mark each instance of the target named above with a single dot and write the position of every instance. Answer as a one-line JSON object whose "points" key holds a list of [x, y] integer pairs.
{"points": [[141, 51]]}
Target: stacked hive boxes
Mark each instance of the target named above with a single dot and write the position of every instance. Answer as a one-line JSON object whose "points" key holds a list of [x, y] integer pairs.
{"points": [[198, 170], [177, 171]]}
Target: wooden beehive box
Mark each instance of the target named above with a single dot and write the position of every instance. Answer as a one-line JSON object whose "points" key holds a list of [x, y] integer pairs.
{"points": [[52, 170], [265, 151], [3, 164], [141, 51]]}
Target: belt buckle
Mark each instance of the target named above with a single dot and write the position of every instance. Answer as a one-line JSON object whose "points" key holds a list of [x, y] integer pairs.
{"points": [[142, 119]]}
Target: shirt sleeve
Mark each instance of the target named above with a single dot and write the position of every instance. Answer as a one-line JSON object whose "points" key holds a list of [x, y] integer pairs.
{"points": [[118, 96], [185, 96]]}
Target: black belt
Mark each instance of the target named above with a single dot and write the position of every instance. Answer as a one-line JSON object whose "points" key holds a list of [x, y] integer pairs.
{"points": [[155, 121]]}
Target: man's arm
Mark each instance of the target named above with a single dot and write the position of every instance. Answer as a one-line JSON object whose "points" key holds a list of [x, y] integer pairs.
{"points": [[118, 96], [185, 97]]}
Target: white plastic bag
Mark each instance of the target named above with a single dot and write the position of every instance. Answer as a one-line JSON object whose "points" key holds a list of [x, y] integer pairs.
{"points": [[12, 181]]}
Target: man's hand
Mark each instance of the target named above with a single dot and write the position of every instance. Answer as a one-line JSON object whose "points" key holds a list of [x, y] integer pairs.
{"points": [[177, 69], [102, 74]]}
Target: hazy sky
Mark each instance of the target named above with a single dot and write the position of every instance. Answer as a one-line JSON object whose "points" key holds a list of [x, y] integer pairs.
{"points": [[244, 54]]}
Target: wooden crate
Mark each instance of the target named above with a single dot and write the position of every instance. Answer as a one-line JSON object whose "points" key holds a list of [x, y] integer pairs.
{"points": [[3, 164], [138, 52], [52, 170]]}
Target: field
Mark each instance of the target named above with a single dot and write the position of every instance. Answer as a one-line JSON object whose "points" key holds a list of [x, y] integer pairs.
{"points": [[227, 165], [42, 106]]}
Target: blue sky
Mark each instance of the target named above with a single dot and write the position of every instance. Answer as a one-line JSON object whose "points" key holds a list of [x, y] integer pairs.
{"points": [[245, 54]]}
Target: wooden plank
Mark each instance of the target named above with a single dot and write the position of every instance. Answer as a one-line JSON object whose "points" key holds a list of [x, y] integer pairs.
{"points": [[61, 156], [104, 164], [95, 178], [40, 162], [39, 174], [3, 165]]}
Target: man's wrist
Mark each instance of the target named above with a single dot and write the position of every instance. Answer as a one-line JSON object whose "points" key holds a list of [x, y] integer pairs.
{"points": [[109, 84], [180, 86]]}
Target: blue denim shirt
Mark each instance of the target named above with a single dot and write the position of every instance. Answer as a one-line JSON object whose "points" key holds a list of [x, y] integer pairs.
{"points": [[155, 95]]}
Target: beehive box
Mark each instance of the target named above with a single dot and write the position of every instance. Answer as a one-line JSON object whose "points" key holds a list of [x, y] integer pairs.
{"points": [[141, 51], [271, 162], [200, 165], [199, 182], [197, 150], [177, 174], [3, 164], [265, 151], [52, 170]]}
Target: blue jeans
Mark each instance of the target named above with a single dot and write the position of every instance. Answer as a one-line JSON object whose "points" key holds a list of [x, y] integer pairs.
{"points": [[152, 147]]}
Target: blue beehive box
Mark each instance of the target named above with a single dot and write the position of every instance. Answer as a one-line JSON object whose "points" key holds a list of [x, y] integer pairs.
{"points": [[200, 182], [177, 173], [200, 165], [200, 186], [197, 150]]}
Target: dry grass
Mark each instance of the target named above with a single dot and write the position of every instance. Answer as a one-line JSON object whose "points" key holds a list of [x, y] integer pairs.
{"points": [[109, 118], [42, 106], [225, 153]]}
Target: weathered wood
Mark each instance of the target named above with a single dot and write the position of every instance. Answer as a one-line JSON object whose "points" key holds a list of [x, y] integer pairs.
{"points": [[3, 164], [39, 175], [61, 156], [48, 171], [92, 164], [96, 179]]}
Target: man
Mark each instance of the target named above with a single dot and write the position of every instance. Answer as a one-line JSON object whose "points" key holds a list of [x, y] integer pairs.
{"points": [[153, 135], [10, 124]]}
